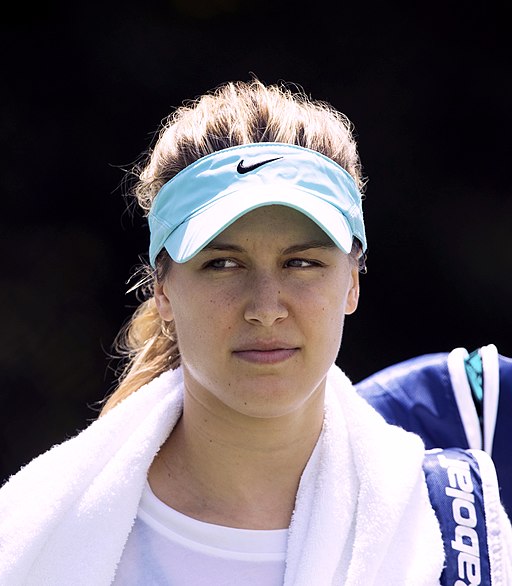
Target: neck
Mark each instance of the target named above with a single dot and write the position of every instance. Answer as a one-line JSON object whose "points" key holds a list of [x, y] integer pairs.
{"points": [[226, 468]]}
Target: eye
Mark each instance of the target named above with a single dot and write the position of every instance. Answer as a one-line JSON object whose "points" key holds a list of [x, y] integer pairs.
{"points": [[302, 263], [221, 263]]}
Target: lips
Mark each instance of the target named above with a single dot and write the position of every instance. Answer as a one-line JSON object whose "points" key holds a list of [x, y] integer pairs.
{"points": [[265, 352]]}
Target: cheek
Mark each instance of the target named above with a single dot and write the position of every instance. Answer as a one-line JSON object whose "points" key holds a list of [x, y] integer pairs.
{"points": [[202, 319], [326, 312], [333, 318]]}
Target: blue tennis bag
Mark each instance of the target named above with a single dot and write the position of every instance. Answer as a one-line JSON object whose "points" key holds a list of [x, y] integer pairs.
{"points": [[460, 404], [452, 399], [464, 493]]}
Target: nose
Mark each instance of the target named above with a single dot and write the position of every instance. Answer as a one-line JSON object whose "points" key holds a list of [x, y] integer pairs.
{"points": [[265, 304]]}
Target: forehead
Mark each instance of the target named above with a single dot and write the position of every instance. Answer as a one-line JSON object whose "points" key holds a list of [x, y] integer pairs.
{"points": [[271, 222]]}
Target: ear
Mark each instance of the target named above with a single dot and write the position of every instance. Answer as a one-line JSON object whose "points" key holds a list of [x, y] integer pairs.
{"points": [[163, 303], [353, 292]]}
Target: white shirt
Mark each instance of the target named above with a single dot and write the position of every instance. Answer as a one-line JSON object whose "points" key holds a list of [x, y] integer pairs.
{"points": [[168, 548]]}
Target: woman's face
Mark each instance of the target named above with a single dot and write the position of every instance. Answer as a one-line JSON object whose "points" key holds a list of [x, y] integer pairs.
{"points": [[259, 313]]}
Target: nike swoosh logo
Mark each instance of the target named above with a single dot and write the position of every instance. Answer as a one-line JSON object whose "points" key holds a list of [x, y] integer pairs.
{"points": [[241, 168]]}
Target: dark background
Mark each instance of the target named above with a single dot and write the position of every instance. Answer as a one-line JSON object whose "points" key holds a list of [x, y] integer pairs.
{"points": [[84, 89]]}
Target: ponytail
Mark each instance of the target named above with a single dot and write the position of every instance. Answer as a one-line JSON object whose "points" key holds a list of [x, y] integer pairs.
{"points": [[149, 347]]}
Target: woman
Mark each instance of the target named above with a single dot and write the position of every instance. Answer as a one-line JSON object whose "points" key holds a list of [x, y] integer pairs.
{"points": [[234, 450]]}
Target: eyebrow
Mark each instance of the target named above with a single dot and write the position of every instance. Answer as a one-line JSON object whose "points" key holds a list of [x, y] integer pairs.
{"points": [[326, 244], [300, 247]]}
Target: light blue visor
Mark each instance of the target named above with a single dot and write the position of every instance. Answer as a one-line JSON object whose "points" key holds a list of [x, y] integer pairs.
{"points": [[203, 199]]}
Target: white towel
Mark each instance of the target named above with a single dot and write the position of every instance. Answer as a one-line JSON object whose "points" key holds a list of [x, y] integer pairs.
{"points": [[364, 517], [362, 514]]}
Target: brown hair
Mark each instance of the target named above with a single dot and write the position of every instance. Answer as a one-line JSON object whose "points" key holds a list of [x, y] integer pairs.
{"points": [[235, 113]]}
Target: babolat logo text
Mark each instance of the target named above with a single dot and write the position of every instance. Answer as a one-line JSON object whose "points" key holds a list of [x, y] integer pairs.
{"points": [[465, 538]]}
